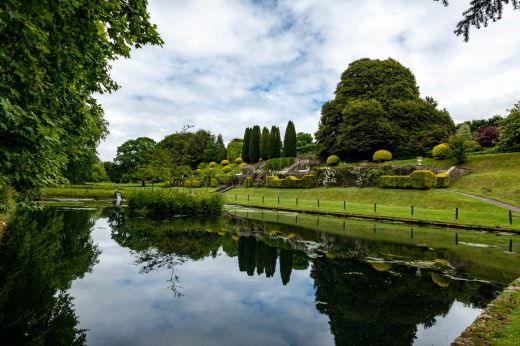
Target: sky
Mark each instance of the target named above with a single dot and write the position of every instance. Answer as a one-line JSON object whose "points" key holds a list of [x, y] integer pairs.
{"points": [[229, 64]]}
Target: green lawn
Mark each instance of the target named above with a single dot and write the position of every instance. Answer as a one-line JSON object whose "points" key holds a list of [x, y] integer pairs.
{"points": [[494, 175], [431, 205]]}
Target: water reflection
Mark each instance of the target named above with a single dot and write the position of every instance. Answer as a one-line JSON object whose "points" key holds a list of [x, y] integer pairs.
{"points": [[229, 282]]}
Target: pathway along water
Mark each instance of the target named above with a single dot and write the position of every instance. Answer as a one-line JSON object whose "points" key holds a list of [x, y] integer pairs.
{"points": [[95, 276]]}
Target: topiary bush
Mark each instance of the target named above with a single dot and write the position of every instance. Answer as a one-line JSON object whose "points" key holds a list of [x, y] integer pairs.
{"points": [[192, 183], [248, 182], [226, 169], [441, 151], [306, 182], [382, 155], [239, 160], [213, 182], [212, 164], [333, 160], [442, 180], [224, 162], [420, 179]]}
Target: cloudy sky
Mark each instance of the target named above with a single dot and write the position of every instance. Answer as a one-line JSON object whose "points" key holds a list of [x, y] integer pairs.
{"points": [[229, 64]]}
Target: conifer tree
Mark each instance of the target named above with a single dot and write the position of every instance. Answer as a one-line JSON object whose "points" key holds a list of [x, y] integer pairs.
{"points": [[276, 142], [289, 140], [220, 149], [264, 144], [245, 147], [254, 144]]}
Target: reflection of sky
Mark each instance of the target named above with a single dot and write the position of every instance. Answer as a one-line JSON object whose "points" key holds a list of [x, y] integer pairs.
{"points": [[448, 328], [220, 305]]}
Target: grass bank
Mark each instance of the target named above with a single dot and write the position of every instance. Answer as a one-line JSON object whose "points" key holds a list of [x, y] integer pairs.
{"points": [[434, 205], [107, 191], [499, 324]]}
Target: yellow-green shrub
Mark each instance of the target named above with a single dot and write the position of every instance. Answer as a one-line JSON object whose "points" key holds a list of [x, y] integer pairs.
{"points": [[442, 180], [441, 151], [332, 160], [239, 160], [213, 182], [224, 162], [226, 169], [421, 179], [382, 155], [248, 182], [291, 182], [212, 164], [192, 183]]}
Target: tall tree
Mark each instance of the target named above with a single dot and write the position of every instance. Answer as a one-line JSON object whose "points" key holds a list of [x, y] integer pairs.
{"points": [[54, 56], [510, 131], [254, 144], [411, 126], [210, 152], [289, 140], [277, 144], [220, 148], [234, 149], [270, 142], [131, 154], [245, 147], [264, 144]]}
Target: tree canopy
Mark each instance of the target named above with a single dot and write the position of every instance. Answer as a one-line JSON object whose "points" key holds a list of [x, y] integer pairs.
{"points": [[54, 56], [377, 106], [289, 140]]}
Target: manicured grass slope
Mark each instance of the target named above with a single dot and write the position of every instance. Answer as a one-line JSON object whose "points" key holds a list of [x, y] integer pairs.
{"points": [[495, 176], [432, 205]]}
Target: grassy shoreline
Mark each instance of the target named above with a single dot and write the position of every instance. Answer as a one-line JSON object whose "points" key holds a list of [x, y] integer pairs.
{"points": [[499, 324]]}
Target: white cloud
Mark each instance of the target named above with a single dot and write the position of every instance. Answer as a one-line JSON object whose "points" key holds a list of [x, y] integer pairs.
{"points": [[228, 64]]}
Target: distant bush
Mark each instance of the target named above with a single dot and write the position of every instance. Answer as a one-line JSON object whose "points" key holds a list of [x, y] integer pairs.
{"points": [[420, 179], [192, 183], [279, 163], [442, 180], [333, 160], [472, 146], [487, 136], [197, 171], [291, 182], [224, 162], [248, 182], [169, 203], [382, 155], [212, 164], [239, 160], [213, 182], [226, 169], [441, 151]]}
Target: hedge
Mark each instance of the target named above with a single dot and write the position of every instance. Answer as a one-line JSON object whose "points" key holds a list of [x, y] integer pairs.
{"points": [[192, 183], [213, 182], [248, 182], [306, 182], [420, 179]]}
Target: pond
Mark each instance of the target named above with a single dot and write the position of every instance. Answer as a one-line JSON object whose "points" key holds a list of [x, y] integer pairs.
{"points": [[98, 277]]}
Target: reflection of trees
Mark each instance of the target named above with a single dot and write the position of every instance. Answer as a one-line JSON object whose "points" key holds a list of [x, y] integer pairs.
{"points": [[40, 254], [370, 307]]}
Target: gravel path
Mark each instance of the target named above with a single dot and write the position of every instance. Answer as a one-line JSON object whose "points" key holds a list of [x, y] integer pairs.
{"points": [[490, 200]]}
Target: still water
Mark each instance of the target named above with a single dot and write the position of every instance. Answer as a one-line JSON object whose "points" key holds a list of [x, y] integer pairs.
{"points": [[98, 277]]}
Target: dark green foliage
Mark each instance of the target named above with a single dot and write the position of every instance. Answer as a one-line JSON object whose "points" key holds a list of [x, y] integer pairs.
{"points": [[377, 105], [248, 182], [474, 125], [274, 143], [234, 149], [480, 13], [188, 148], [246, 145], [279, 163], [306, 182], [458, 150], [264, 144], [131, 154], [171, 203], [304, 143], [220, 149], [289, 140], [156, 166], [54, 56], [420, 179], [210, 152], [254, 144], [510, 131]]}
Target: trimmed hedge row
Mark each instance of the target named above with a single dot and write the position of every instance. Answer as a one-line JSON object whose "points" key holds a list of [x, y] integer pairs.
{"points": [[306, 182], [420, 179]]}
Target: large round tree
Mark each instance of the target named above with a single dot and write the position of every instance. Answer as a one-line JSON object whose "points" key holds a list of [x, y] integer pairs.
{"points": [[377, 106]]}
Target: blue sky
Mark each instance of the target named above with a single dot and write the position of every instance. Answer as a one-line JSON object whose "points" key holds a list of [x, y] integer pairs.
{"points": [[229, 64]]}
